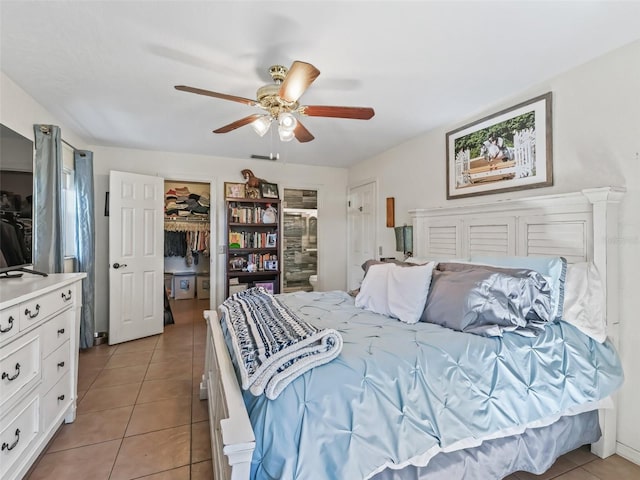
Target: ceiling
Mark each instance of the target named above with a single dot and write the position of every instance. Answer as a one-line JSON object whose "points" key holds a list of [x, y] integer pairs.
{"points": [[107, 70]]}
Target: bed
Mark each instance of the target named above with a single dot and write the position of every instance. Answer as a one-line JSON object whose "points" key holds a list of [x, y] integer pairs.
{"points": [[328, 422]]}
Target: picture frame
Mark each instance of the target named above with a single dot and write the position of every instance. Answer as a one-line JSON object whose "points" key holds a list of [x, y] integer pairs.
{"points": [[269, 190], [234, 190], [272, 239], [268, 286], [270, 265], [507, 151]]}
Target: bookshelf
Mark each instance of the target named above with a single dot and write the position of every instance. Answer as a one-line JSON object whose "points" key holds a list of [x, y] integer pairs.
{"points": [[253, 243]]}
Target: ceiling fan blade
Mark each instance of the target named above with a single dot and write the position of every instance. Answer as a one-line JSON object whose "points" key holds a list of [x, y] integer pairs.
{"points": [[223, 96], [298, 79], [238, 123], [358, 113], [302, 134]]}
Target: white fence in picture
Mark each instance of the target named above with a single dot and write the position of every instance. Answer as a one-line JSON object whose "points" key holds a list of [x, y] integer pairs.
{"points": [[523, 154]]}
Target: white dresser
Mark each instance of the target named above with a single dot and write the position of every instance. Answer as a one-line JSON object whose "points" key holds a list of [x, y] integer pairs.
{"points": [[39, 332]]}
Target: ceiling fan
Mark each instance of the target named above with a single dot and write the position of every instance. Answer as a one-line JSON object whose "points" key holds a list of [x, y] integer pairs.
{"points": [[280, 102]]}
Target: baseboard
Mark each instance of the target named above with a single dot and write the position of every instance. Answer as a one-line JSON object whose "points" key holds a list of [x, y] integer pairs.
{"points": [[629, 453]]}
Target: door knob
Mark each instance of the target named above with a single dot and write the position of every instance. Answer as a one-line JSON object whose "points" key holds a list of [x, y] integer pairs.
{"points": [[119, 265]]}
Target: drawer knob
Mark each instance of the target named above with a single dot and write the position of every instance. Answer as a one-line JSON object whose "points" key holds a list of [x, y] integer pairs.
{"points": [[60, 364], [32, 315], [5, 330], [6, 446], [60, 397], [9, 377], [66, 297], [60, 331]]}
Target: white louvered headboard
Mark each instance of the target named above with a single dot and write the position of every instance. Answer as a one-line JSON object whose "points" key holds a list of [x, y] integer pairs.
{"points": [[580, 226]]}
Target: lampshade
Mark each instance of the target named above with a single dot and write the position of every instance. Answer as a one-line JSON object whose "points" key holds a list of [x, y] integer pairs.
{"points": [[404, 239], [287, 122], [262, 124]]}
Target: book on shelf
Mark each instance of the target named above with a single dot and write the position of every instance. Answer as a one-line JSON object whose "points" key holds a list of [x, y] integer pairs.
{"points": [[252, 239], [252, 214]]}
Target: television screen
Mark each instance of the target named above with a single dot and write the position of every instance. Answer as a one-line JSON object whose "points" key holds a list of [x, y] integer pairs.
{"points": [[16, 200]]}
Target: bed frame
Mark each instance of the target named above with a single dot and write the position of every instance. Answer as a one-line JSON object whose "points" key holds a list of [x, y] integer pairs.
{"points": [[581, 226]]}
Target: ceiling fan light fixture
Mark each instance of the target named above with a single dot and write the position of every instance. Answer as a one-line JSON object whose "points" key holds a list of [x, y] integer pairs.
{"points": [[262, 124], [287, 122], [286, 135]]}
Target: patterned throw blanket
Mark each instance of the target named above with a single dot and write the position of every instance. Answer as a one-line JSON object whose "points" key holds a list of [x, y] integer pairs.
{"points": [[272, 345]]}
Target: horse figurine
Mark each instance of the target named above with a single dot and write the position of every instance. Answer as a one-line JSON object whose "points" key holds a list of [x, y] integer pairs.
{"points": [[252, 180], [253, 184]]}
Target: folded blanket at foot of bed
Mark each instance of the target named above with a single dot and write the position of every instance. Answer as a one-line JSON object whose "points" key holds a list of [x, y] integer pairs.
{"points": [[273, 346]]}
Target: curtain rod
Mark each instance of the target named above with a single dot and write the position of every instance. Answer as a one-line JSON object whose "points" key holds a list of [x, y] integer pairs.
{"points": [[81, 152], [68, 144]]}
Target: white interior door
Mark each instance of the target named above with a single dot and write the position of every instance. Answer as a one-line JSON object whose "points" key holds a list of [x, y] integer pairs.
{"points": [[362, 234], [136, 256]]}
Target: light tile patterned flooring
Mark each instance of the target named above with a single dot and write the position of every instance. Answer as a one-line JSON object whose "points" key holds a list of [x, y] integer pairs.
{"points": [[140, 416], [139, 413]]}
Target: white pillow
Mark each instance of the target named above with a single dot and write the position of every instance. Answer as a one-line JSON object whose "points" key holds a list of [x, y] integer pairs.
{"points": [[584, 300], [398, 292], [416, 260]]}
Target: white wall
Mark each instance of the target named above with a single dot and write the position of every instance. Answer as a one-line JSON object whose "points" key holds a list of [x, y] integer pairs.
{"points": [[19, 112], [596, 142], [331, 184]]}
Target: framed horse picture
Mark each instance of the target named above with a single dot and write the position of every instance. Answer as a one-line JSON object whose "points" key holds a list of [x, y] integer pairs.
{"points": [[506, 151]]}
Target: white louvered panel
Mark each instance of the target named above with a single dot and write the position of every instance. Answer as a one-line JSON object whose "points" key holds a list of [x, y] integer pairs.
{"points": [[554, 239], [442, 241], [488, 239]]}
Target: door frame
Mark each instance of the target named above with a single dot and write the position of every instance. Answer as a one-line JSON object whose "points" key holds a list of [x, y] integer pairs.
{"points": [[213, 225], [319, 192], [351, 186], [318, 189]]}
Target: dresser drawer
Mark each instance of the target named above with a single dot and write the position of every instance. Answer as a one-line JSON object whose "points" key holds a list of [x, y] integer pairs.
{"points": [[18, 429], [9, 323], [56, 400], [19, 366], [55, 366], [56, 331], [38, 309]]}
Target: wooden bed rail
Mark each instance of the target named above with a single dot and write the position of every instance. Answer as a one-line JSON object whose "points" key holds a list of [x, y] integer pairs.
{"points": [[232, 438]]}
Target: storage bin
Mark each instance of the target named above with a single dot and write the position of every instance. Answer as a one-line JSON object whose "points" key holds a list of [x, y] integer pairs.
{"points": [[184, 285], [202, 285]]}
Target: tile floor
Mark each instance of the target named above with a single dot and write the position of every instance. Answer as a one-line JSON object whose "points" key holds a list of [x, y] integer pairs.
{"points": [[139, 413], [140, 416]]}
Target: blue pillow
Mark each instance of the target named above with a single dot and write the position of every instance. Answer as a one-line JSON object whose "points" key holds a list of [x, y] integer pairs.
{"points": [[554, 269]]}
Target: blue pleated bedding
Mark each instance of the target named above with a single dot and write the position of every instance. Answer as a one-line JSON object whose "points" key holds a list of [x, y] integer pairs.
{"points": [[399, 394]]}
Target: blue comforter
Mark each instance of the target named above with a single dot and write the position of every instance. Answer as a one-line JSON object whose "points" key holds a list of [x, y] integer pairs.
{"points": [[398, 392]]}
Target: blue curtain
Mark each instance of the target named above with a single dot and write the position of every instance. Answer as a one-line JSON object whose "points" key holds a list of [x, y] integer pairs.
{"points": [[85, 241], [48, 253]]}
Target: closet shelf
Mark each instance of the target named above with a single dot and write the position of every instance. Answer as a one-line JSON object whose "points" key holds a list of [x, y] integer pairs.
{"points": [[186, 224]]}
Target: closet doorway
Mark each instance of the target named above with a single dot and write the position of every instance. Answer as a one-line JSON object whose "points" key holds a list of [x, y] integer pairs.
{"points": [[300, 236], [187, 241]]}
